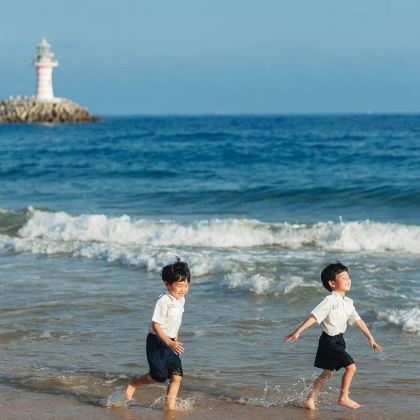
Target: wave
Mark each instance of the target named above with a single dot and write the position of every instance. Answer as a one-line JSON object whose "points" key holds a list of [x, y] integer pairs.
{"points": [[11, 221], [214, 233], [262, 285], [60, 228], [408, 319]]}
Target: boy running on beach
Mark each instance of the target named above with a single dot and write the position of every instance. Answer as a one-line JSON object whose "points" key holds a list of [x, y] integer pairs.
{"points": [[334, 313], [162, 345]]}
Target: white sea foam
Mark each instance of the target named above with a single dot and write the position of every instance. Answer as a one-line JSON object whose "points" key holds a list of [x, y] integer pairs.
{"points": [[263, 285], [222, 233], [256, 283], [408, 319], [214, 233], [151, 243]]}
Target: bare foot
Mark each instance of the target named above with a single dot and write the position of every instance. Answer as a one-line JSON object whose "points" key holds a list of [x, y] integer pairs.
{"points": [[347, 402], [129, 392], [309, 403]]}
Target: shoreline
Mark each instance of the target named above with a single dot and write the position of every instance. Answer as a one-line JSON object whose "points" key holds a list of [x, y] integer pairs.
{"points": [[18, 403]]}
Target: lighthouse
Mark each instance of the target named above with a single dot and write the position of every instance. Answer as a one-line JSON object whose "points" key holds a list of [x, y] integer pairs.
{"points": [[43, 108], [44, 62]]}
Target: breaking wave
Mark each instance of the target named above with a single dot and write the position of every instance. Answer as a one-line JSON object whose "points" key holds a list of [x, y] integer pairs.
{"points": [[262, 285], [149, 243], [220, 233], [408, 319]]}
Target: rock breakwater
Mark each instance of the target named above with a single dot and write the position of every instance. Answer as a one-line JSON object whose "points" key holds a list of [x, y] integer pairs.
{"points": [[30, 110]]}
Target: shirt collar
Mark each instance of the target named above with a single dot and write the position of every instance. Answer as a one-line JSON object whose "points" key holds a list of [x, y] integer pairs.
{"points": [[337, 295], [173, 297]]}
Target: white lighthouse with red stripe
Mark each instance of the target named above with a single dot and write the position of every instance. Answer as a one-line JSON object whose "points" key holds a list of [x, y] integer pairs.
{"points": [[44, 62]]}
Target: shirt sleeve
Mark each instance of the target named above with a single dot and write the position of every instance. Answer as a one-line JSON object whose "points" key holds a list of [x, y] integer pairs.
{"points": [[322, 310], [160, 312], [354, 316]]}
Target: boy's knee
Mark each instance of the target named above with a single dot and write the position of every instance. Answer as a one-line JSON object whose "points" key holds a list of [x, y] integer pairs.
{"points": [[351, 368], [327, 374], [176, 378]]}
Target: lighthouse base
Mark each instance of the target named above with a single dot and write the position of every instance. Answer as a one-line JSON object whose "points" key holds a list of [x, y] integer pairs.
{"points": [[31, 110], [49, 100]]}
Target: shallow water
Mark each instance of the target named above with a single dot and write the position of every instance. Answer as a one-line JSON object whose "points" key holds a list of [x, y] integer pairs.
{"points": [[257, 206]]}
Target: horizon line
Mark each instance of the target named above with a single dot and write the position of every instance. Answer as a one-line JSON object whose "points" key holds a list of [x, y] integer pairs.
{"points": [[261, 114]]}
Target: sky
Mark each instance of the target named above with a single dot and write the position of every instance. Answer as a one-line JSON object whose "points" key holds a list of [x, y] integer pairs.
{"points": [[136, 57]]}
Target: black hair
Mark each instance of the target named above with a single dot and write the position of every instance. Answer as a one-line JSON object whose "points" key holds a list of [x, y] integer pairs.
{"points": [[330, 271], [178, 271]]}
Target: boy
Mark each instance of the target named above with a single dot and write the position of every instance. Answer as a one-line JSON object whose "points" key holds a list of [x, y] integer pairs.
{"points": [[162, 345], [334, 313]]}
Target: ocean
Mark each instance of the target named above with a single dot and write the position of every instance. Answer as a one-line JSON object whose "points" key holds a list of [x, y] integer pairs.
{"points": [[257, 206]]}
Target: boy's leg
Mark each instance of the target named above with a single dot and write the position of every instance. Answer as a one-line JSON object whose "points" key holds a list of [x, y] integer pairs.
{"points": [[135, 382], [172, 392], [316, 388], [345, 386]]}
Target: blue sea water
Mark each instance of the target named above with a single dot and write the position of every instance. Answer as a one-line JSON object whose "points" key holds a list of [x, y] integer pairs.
{"points": [[256, 204], [269, 168]]}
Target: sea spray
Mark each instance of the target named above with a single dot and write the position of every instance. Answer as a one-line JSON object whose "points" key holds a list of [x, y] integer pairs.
{"points": [[290, 396], [185, 403]]}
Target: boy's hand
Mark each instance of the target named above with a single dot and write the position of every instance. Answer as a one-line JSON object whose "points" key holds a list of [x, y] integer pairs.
{"points": [[374, 346], [177, 347], [291, 337], [302, 327]]}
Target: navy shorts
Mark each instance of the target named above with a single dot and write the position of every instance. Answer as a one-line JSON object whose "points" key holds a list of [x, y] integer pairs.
{"points": [[163, 362], [331, 354]]}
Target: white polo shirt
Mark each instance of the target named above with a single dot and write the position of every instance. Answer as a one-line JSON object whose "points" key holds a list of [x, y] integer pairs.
{"points": [[168, 314], [334, 313]]}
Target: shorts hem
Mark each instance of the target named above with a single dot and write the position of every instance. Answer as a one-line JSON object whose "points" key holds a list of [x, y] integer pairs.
{"points": [[334, 368], [157, 378]]}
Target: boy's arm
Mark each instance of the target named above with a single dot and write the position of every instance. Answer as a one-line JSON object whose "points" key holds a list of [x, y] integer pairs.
{"points": [[302, 327], [176, 346], [365, 330]]}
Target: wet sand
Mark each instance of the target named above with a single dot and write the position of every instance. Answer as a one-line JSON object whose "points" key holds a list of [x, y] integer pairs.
{"points": [[23, 404]]}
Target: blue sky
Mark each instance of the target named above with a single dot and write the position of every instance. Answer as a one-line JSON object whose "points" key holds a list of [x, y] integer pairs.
{"points": [[219, 56]]}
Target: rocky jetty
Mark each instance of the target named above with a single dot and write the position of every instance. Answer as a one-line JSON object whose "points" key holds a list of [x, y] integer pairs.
{"points": [[31, 110]]}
